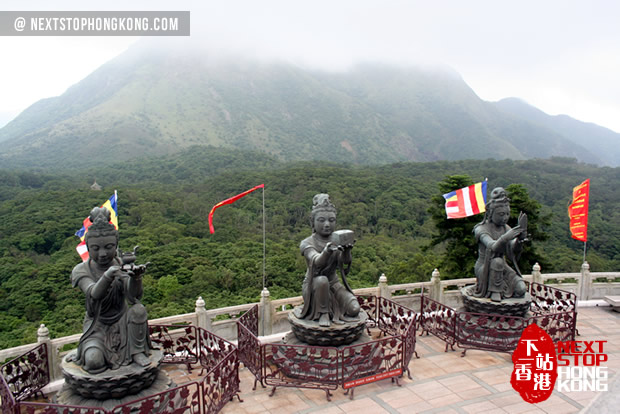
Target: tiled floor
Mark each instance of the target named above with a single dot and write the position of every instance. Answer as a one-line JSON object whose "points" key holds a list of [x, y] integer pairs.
{"points": [[445, 382]]}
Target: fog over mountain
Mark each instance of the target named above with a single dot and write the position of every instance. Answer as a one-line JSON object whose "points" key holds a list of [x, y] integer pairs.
{"points": [[151, 101]]}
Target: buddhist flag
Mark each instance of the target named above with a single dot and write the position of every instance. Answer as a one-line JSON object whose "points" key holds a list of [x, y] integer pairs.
{"points": [[229, 201], [110, 204], [578, 211], [466, 201]]}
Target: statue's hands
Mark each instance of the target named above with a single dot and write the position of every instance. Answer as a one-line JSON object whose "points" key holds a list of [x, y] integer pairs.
{"points": [[512, 233], [330, 248], [136, 271], [113, 272]]}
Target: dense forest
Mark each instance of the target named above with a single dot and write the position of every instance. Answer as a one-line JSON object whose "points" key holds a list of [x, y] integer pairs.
{"points": [[395, 211]]}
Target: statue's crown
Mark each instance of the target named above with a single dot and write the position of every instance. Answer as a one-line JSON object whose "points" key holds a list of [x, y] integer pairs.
{"points": [[321, 202], [100, 217], [499, 196]]}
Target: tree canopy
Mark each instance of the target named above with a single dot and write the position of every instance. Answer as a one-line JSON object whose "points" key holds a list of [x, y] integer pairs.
{"points": [[392, 209]]}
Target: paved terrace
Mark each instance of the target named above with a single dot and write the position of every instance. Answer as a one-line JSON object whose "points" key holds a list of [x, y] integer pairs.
{"points": [[445, 382]]}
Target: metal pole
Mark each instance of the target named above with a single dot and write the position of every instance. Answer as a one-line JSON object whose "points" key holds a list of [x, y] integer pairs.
{"points": [[584, 251], [264, 250]]}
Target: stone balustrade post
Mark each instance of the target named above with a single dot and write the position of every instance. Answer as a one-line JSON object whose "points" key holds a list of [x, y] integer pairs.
{"points": [[536, 275], [585, 282], [384, 290], [202, 319], [436, 291], [265, 323], [43, 337]]}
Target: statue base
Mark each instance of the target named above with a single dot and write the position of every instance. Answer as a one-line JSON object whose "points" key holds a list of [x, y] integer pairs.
{"points": [[127, 380], [69, 396], [509, 306], [309, 332]]}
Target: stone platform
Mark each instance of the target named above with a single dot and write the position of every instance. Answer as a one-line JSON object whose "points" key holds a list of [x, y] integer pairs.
{"points": [[111, 387], [508, 307], [310, 333]]}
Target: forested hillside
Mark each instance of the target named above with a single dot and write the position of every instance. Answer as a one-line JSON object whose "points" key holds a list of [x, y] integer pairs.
{"points": [[164, 203], [157, 102]]}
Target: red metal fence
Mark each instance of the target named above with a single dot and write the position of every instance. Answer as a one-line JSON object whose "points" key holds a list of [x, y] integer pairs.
{"points": [[327, 368], [553, 310], [24, 376]]}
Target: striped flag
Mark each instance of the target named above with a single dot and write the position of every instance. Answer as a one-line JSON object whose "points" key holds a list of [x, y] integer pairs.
{"points": [[110, 204], [467, 201]]}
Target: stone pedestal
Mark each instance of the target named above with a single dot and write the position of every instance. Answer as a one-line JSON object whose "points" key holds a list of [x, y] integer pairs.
{"points": [[309, 332], [509, 306], [69, 396], [111, 387]]}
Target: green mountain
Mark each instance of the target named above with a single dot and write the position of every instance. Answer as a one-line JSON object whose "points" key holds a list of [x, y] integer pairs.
{"points": [[149, 102], [602, 141]]}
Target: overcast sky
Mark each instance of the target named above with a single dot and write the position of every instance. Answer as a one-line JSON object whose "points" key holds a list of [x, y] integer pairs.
{"points": [[562, 56]]}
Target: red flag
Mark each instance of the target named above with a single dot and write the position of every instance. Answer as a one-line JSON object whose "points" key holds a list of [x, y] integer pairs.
{"points": [[229, 201], [578, 211]]}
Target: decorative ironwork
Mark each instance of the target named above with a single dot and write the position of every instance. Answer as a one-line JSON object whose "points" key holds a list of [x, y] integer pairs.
{"points": [[28, 373], [221, 384], [554, 310], [371, 359], [548, 300], [368, 304], [212, 349], [182, 399], [250, 352], [409, 340], [7, 401], [250, 320], [48, 408], [439, 320], [301, 366], [178, 343], [491, 332], [392, 318], [559, 326]]}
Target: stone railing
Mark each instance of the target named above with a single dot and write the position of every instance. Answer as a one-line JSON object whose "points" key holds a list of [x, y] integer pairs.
{"points": [[273, 314]]}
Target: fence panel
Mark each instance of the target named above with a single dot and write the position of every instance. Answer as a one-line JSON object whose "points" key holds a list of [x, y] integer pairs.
{"points": [[548, 300], [368, 303], [178, 343], [28, 373], [439, 320], [184, 399], [301, 366], [221, 383], [49, 408], [212, 349], [250, 352], [7, 401], [490, 332], [559, 326], [392, 318], [371, 361]]}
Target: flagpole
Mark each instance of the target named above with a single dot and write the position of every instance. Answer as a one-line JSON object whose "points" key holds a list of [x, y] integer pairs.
{"points": [[585, 243], [264, 261]]}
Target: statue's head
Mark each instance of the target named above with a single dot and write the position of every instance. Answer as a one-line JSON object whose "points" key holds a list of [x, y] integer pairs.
{"points": [[323, 215], [498, 207], [102, 237]]}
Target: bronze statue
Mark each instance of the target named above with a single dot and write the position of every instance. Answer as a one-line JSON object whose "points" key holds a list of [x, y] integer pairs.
{"points": [[115, 324], [496, 240], [327, 252]]}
